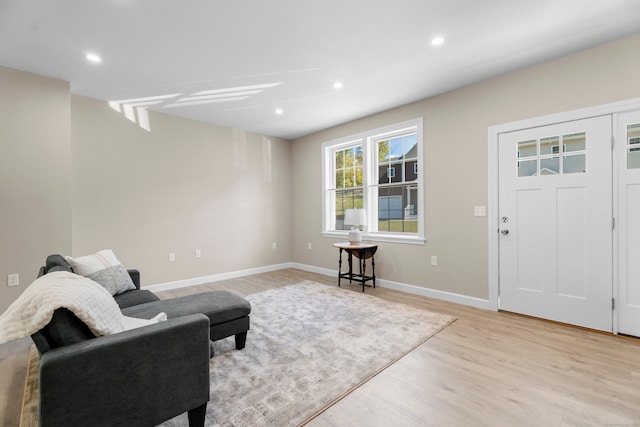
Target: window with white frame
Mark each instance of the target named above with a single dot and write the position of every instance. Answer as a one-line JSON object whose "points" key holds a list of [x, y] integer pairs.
{"points": [[380, 171]]}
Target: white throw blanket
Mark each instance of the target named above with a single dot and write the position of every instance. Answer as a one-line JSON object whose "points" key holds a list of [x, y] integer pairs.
{"points": [[88, 300]]}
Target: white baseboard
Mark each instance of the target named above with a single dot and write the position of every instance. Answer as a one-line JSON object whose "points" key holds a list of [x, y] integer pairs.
{"points": [[216, 277], [412, 289]]}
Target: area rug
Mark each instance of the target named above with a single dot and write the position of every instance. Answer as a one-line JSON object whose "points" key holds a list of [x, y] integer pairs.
{"points": [[309, 345]]}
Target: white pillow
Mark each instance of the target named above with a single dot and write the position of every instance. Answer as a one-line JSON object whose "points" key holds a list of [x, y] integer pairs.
{"points": [[103, 267]]}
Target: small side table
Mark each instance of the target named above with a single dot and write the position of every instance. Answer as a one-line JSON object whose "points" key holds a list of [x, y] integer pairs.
{"points": [[362, 252]]}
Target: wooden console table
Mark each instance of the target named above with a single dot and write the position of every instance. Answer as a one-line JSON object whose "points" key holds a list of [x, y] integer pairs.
{"points": [[362, 252]]}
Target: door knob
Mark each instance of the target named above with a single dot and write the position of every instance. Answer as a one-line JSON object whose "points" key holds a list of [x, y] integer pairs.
{"points": [[504, 232]]}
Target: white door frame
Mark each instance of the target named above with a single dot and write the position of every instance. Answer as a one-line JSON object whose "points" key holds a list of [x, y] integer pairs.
{"points": [[493, 181]]}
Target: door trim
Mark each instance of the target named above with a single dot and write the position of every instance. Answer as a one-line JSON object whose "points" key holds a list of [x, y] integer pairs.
{"points": [[493, 178]]}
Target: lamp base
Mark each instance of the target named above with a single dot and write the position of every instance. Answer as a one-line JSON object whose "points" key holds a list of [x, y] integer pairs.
{"points": [[355, 237]]}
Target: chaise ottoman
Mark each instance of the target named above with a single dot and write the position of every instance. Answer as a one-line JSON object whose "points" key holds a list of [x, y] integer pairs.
{"points": [[228, 313]]}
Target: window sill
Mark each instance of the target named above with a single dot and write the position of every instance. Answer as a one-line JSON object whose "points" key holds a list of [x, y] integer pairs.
{"points": [[389, 238]]}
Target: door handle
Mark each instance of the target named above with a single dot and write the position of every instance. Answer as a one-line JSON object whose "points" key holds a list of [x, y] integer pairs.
{"points": [[504, 232]]}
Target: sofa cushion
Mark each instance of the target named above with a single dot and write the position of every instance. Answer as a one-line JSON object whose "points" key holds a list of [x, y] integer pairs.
{"points": [[103, 267], [63, 329], [219, 306], [56, 263], [135, 297]]}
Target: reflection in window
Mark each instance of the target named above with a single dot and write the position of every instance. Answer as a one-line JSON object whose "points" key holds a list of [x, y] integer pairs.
{"points": [[633, 146], [538, 157], [348, 182]]}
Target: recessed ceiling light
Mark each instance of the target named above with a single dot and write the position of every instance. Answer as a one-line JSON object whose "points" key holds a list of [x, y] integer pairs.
{"points": [[437, 41], [92, 57], [279, 111], [337, 85]]}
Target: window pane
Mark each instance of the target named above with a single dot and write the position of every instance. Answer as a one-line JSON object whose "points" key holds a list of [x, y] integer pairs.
{"points": [[547, 145], [383, 151], [340, 178], [339, 159], [410, 171], [574, 164], [397, 209], [410, 147], [527, 148], [633, 158], [358, 155], [633, 146], [395, 172], [348, 158], [550, 166], [574, 142], [528, 168], [395, 149], [383, 174], [359, 182], [339, 213]]}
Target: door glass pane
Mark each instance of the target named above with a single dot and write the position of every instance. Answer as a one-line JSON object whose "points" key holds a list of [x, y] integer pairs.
{"points": [[574, 164], [527, 148], [550, 166], [633, 146], [574, 142], [549, 145], [527, 167]]}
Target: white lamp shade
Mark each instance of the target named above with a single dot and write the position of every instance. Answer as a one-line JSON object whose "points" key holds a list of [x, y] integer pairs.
{"points": [[355, 217]]}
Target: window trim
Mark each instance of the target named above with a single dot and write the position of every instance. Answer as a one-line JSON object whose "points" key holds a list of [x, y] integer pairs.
{"points": [[366, 139]]}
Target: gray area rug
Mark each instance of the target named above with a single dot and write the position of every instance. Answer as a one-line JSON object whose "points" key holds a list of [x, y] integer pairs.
{"points": [[309, 345]]}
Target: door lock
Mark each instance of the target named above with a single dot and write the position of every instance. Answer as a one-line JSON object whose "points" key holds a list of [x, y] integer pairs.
{"points": [[504, 232]]}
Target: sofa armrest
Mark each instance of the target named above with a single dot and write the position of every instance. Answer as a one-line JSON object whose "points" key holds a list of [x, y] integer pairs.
{"points": [[135, 277], [139, 377]]}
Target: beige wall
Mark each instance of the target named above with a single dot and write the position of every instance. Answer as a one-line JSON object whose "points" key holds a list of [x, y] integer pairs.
{"points": [[35, 169], [455, 159], [183, 185], [70, 164]]}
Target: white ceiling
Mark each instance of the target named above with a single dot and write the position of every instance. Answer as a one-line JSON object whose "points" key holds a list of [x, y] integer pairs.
{"points": [[287, 54]]}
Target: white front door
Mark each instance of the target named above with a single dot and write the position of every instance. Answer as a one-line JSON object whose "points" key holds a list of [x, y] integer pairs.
{"points": [[555, 207], [628, 222]]}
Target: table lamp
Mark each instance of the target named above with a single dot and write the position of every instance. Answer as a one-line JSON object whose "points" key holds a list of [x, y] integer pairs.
{"points": [[355, 218]]}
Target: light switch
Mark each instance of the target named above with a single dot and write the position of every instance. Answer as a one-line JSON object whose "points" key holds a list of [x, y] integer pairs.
{"points": [[13, 280], [479, 211]]}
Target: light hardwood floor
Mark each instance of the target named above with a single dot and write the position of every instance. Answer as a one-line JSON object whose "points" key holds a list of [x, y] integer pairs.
{"points": [[486, 369]]}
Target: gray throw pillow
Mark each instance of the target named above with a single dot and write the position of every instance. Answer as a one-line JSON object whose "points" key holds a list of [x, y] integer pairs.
{"points": [[104, 268]]}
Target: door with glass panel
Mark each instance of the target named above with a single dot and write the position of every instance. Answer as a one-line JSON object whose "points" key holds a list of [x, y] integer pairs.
{"points": [[628, 164], [555, 222]]}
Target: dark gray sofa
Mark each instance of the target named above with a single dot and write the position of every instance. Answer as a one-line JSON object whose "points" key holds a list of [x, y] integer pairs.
{"points": [[140, 377]]}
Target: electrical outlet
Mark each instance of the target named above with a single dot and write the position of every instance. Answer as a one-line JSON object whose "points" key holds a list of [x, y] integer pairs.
{"points": [[13, 280], [273, 245], [434, 260], [172, 257], [198, 253]]}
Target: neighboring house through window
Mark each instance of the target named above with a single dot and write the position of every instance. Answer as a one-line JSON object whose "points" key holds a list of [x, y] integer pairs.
{"points": [[379, 171]]}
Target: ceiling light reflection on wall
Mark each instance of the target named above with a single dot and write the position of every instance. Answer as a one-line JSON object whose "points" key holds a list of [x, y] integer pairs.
{"points": [[279, 111], [338, 85]]}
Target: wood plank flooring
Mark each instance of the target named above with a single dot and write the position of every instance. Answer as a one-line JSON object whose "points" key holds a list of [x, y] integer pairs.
{"points": [[486, 369]]}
